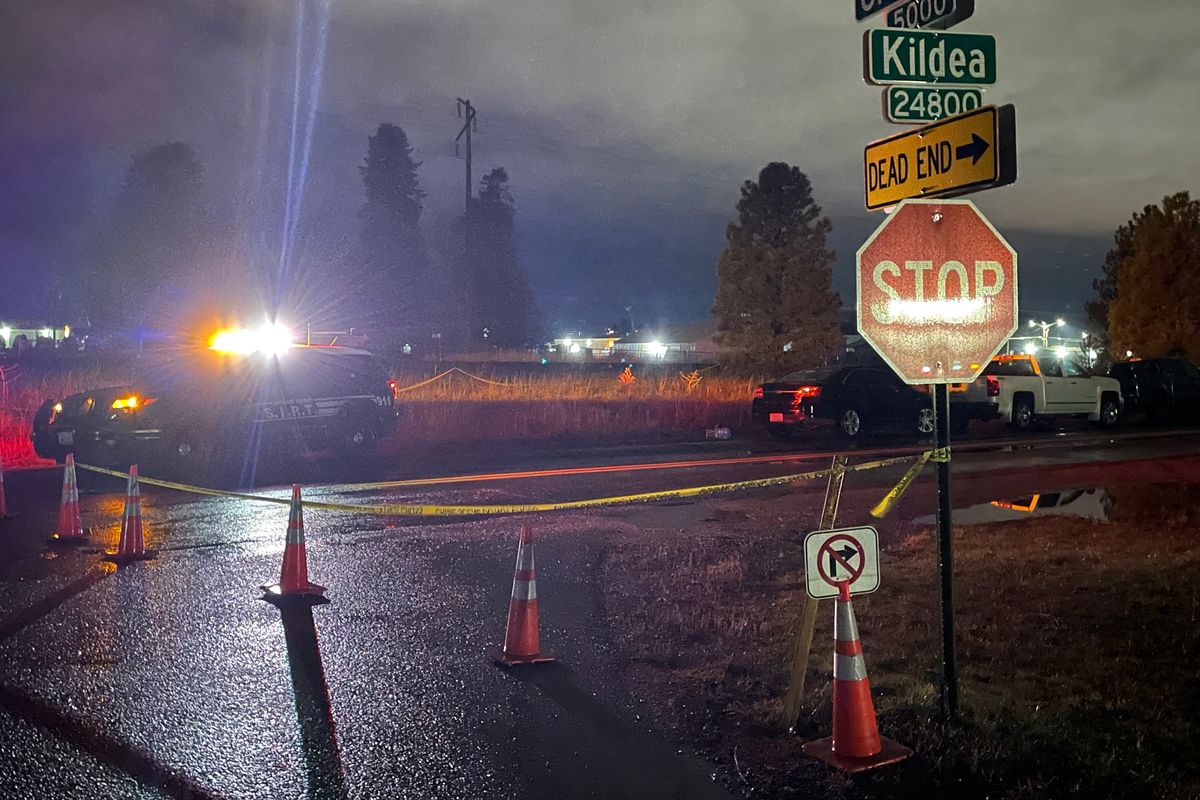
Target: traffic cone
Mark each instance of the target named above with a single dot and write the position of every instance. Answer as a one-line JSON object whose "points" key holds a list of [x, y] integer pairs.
{"points": [[70, 528], [294, 585], [3, 502], [131, 546], [521, 644], [856, 744]]}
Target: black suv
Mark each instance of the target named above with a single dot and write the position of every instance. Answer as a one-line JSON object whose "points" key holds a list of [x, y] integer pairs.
{"points": [[1159, 387], [218, 409]]}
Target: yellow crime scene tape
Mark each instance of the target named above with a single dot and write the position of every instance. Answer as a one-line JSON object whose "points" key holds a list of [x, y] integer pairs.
{"points": [[451, 371], [427, 510]]}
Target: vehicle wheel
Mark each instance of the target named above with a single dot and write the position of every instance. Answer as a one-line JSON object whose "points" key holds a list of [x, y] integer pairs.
{"points": [[357, 436], [925, 422], [1022, 414], [1110, 411], [849, 424]]}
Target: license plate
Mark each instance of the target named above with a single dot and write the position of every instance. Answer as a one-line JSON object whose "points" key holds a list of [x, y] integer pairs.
{"points": [[777, 416], [66, 438]]}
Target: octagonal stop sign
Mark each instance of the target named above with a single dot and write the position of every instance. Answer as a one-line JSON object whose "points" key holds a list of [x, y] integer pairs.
{"points": [[937, 291]]}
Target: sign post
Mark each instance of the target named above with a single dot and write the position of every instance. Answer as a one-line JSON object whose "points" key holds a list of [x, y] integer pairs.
{"points": [[937, 298]]}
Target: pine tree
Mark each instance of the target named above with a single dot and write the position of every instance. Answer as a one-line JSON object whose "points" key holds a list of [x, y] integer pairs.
{"points": [[150, 255], [1155, 308], [392, 257], [498, 307], [775, 307]]}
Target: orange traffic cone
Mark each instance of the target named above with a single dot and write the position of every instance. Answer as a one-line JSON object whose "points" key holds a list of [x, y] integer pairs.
{"points": [[70, 528], [294, 585], [131, 546], [521, 644], [856, 744], [3, 502]]}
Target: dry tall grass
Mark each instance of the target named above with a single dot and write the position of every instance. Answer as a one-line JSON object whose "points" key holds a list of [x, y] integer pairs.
{"points": [[461, 407], [21, 393]]}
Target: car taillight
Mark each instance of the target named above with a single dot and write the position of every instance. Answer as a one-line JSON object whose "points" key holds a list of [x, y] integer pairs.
{"points": [[758, 393], [55, 410], [993, 386], [395, 391], [807, 391]]}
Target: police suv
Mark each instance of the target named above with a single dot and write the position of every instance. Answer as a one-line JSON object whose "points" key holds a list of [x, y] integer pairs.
{"points": [[220, 407]]}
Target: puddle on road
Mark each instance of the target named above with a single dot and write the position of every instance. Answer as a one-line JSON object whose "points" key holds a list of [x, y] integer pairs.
{"points": [[1147, 503]]}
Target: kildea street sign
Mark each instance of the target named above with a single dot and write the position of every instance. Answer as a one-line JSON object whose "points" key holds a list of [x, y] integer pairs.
{"points": [[839, 556], [914, 57], [957, 155], [908, 105], [936, 291], [939, 14]]}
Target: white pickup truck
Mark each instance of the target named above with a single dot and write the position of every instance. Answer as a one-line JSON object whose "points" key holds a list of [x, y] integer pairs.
{"points": [[1024, 390]]}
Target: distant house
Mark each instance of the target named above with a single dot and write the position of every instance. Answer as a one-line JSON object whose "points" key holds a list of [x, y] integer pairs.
{"points": [[692, 342], [584, 346]]}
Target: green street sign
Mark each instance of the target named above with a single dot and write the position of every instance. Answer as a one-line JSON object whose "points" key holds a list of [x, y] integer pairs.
{"points": [[918, 57], [915, 105]]}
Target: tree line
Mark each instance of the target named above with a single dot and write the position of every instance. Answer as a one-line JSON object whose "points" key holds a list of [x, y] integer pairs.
{"points": [[160, 249]]}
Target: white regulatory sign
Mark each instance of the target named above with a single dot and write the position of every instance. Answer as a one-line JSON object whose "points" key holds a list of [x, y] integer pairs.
{"points": [[840, 556]]}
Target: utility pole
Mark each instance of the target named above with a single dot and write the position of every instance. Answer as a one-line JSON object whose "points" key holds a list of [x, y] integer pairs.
{"points": [[466, 112]]}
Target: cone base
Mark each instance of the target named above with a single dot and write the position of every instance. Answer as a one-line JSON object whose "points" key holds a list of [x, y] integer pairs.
{"points": [[66, 541], [312, 595], [890, 752], [507, 661], [121, 559]]}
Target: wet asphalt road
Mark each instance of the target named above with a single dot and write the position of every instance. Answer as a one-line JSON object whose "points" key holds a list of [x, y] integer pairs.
{"points": [[170, 678]]}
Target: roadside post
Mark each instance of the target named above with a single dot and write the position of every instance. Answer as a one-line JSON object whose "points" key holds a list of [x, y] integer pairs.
{"points": [[937, 298], [936, 283], [803, 636]]}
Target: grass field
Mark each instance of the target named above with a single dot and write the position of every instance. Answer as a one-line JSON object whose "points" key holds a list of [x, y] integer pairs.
{"points": [[1078, 644]]}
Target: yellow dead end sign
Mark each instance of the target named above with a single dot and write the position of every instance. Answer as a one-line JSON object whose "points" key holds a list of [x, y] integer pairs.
{"points": [[967, 153]]}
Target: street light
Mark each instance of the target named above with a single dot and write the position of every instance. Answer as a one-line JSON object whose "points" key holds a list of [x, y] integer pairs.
{"points": [[1046, 326]]}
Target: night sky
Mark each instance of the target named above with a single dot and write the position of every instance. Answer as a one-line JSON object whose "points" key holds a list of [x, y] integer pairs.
{"points": [[627, 127]]}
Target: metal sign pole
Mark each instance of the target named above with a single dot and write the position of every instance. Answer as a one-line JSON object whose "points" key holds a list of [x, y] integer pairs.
{"points": [[949, 699]]}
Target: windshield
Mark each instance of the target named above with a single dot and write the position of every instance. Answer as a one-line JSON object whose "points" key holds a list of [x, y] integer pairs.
{"points": [[1018, 368]]}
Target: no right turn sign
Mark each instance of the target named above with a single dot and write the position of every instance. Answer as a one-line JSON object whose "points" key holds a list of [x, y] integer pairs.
{"points": [[847, 555]]}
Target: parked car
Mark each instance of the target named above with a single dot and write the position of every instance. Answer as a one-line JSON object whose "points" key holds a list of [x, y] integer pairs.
{"points": [[1159, 387], [856, 399], [1026, 390], [206, 413]]}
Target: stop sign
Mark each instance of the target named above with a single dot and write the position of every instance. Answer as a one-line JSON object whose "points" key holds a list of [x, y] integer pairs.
{"points": [[937, 291]]}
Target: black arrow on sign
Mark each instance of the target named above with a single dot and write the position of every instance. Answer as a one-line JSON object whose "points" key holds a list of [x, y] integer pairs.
{"points": [[974, 150], [847, 552]]}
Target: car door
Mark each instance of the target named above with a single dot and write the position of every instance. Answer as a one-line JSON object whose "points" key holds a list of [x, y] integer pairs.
{"points": [[1186, 380], [1059, 392], [1081, 390]]}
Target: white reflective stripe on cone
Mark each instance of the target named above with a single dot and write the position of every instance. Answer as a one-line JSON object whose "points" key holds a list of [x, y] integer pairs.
{"points": [[844, 627], [524, 590], [849, 668], [524, 557]]}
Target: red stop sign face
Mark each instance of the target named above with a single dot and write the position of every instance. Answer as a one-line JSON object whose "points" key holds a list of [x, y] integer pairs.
{"points": [[937, 291]]}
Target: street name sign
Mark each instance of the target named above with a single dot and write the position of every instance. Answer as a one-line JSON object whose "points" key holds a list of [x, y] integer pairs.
{"points": [[914, 57], [867, 8], [970, 152], [909, 105], [936, 291], [940, 14], [846, 555]]}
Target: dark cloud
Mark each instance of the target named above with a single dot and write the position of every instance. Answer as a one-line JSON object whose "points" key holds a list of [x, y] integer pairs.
{"points": [[627, 125]]}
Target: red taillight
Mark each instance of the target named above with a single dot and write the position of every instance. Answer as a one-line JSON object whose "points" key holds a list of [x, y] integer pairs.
{"points": [[993, 386], [758, 393], [807, 391], [395, 391]]}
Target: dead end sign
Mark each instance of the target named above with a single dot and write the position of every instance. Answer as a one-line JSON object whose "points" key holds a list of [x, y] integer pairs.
{"points": [[843, 555]]}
